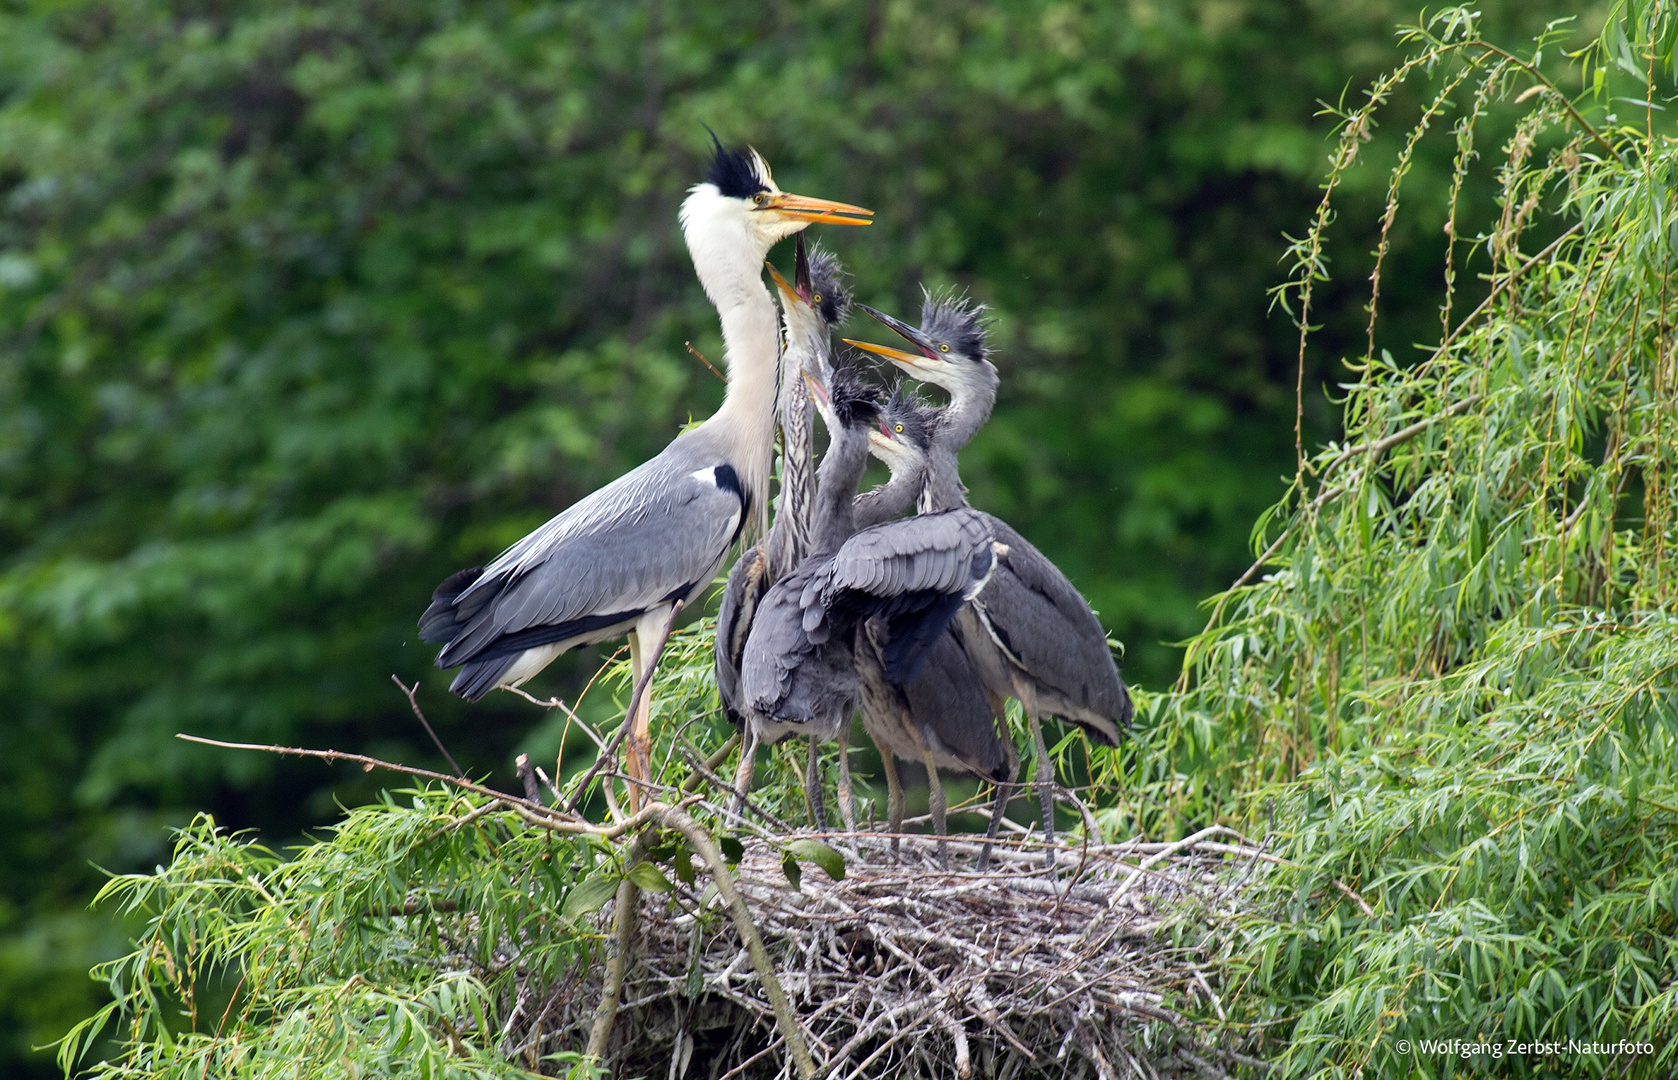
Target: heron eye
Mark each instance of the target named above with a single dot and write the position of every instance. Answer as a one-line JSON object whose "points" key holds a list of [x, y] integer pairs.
{"points": [[816, 299], [760, 198], [900, 429], [943, 348]]}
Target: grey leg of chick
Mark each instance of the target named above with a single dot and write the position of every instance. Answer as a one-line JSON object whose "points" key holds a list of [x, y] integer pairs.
{"points": [[743, 771], [813, 787], [1045, 786], [894, 802], [937, 803], [845, 796]]}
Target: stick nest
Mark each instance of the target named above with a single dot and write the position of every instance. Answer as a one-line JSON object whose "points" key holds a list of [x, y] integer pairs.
{"points": [[907, 969]]}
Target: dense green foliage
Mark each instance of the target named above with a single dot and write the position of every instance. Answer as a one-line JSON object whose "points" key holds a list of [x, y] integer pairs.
{"points": [[304, 306], [1455, 687]]}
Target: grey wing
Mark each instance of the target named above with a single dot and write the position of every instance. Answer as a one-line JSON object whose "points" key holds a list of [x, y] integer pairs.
{"points": [[747, 582], [915, 573], [1047, 629], [949, 552], [788, 677], [646, 539], [949, 702]]}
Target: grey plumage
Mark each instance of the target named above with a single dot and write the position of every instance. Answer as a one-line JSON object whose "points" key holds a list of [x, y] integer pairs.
{"points": [[1030, 635], [592, 571], [817, 300], [942, 718]]}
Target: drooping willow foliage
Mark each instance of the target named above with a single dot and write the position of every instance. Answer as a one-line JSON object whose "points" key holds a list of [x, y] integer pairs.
{"points": [[1451, 678], [1446, 689]]}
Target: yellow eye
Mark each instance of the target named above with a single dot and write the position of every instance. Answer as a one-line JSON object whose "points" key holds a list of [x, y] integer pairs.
{"points": [[900, 429], [816, 299], [943, 348], [760, 198]]}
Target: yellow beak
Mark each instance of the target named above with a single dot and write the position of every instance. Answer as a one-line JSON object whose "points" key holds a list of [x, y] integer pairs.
{"points": [[804, 208], [789, 295], [896, 356]]}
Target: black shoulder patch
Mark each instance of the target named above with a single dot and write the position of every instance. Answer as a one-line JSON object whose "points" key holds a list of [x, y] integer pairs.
{"points": [[729, 480], [732, 172]]}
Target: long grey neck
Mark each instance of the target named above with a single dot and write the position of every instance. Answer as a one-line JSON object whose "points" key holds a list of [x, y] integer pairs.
{"points": [[789, 537], [957, 423], [836, 480], [944, 489], [890, 500]]}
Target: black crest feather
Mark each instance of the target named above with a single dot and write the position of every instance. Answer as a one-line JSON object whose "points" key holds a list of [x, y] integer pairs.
{"points": [[734, 172], [958, 321], [829, 281]]}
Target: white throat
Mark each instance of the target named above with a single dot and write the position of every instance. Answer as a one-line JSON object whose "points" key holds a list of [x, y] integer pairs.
{"points": [[728, 252]]}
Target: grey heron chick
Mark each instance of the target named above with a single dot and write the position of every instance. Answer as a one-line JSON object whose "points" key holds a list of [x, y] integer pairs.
{"points": [[618, 560], [850, 410], [1031, 636], [942, 718], [811, 306], [799, 673]]}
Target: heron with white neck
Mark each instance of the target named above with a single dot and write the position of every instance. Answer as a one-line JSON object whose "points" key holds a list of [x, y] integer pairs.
{"points": [[619, 560]]}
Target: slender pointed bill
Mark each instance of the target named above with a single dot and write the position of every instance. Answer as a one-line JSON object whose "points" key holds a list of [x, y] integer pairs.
{"points": [[801, 270], [907, 332], [896, 356], [817, 211], [815, 386], [801, 292], [789, 295]]}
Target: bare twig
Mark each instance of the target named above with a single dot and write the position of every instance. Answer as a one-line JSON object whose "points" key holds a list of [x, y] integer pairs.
{"points": [[701, 358], [413, 703]]}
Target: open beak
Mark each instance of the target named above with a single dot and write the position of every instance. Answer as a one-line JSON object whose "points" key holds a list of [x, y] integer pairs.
{"points": [[801, 270], [824, 211], [815, 386], [789, 295], [897, 356], [801, 292]]}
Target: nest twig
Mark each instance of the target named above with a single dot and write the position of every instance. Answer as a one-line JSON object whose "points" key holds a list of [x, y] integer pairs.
{"points": [[907, 966]]}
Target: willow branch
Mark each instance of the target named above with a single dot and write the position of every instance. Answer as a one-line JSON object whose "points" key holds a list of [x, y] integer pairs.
{"points": [[700, 840]]}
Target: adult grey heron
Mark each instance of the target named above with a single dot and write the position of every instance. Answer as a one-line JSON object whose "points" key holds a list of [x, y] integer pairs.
{"points": [[619, 559], [1031, 636], [942, 718], [799, 673]]}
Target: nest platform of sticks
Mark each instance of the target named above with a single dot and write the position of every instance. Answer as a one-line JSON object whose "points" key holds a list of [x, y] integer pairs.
{"points": [[907, 969]]}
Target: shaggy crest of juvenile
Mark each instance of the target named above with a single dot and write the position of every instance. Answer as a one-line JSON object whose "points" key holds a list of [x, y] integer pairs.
{"points": [[957, 320], [829, 286]]}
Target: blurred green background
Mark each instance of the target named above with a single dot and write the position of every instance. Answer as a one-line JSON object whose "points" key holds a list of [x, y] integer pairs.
{"points": [[304, 306]]}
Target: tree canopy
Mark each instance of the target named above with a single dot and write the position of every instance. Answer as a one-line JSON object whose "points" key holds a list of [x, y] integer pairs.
{"points": [[303, 306]]}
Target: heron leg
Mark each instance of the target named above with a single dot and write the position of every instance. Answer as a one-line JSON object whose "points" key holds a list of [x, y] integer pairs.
{"points": [[999, 807], [813, 786], [743, 771], [845, 796], [939, 805], [894, 801], [632, 759], [1045, 785]]}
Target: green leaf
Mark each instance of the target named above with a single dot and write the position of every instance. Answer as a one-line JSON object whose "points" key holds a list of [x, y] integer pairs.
{"points": [[823, 856], [682, 862], [589, 895], [790, 867], [647, 876], [732, 849]]}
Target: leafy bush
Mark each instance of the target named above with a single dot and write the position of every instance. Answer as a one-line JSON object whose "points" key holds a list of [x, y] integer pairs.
{"points": [[1449, 680]]}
